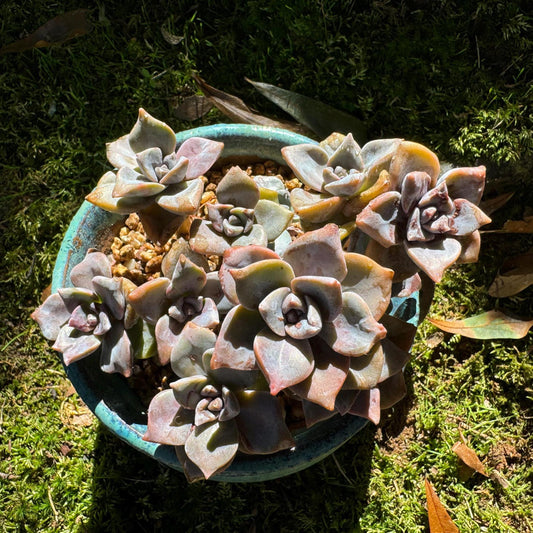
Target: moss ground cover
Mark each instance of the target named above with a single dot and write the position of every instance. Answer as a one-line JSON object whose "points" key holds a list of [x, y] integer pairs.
{"points": [[456, 78]]}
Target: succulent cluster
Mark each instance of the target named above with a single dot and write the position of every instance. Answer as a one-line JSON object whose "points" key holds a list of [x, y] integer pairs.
{"points": [[262, 306]]}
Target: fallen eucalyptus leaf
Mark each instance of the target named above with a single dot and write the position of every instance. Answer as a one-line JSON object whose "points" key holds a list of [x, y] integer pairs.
{"points": [[193, 107], [515, 226], [439, 519], [515, 275], [489, 325], [469, 457], [493, 204], [317, 116], [235, 109], [56, 31]]}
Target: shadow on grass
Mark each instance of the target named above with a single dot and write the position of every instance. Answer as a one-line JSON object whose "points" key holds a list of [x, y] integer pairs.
{"points": [[132, 492]]}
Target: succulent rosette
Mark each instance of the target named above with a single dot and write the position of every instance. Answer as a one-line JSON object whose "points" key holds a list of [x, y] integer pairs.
{"points": [[90, 316], [209, 415], [168, 304], [308, 319], [342, 177], [239, 218], [428, 224], [154, 179]]}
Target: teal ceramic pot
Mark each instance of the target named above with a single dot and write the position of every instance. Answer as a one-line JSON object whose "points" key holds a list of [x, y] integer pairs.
{"points": [[116, 404]]}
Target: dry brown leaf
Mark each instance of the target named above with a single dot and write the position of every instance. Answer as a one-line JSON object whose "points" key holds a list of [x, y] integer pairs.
{"points": [[56, 31], [516, 274], [519, 226], [469, 457], [235, 109], [193, 107], [493, 204], [439, 519]]}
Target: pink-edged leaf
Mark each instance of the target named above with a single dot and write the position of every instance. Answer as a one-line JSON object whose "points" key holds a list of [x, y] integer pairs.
{"points": [[212, 447], [110, 290], [467, 218], [234, 344], [367, 405], [365, 371], [410, 157], [120, 154], [283, 360], [167, 332], [190, 346], [434, 257], [74, 346], [370, 280], [102, 196], [394, 361], [489, 325], [315, 208], [272, 312], [317, 253], [94, 264], [314, 413], [132, 184], [149, 300], [261, 423], [465, 182], [307, 161], [380, 217], [327, 378], [238, 189], [148, 132], [354, 331], [51, 316], [324, 291], [470, 246], [239, 257], [162, 413], [117, 352], [201, 153], [182, 198]]}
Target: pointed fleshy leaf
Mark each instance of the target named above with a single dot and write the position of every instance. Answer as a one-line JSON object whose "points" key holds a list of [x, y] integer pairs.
{"points": [[325, 291], [201, 153], [149, 300], [394, 258], [238, 258], [365, 371], [379, 152], [467, 218], [367, 405], [147, 160], [143, 340], [411, 156], [75, 346], [131, 184], [347, 186], [347, 155], [120, 154], [307, 161], [434, 257], [315, 208], [234, 344], [271, 310], [212, 447], [74, 296], [204, 239], [167, 332], [238, 189], [318, 253], [370, 280], [117, 352], [51, 316], [170, 260], [102, 196], [191, 471], [273, 217], [394, 359], [327, 378], [148, 132], [161, 416], [209, 316], [465, 182], [182, 198], [392, 390], [261, 423], [188, 279], [283, 360], [314, 413], [192, 343], [94, 264], [415, 185], [177, 173], [158, 223], [380, 217], [256, 281], [111, 293], [187, 390], [354, 331], [470, 246]]}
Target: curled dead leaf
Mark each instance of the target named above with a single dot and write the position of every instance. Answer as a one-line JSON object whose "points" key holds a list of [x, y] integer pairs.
{"points": [[516, 275], [439, 519], [469, 457]]}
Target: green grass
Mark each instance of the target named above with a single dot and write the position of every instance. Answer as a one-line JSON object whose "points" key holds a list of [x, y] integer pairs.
{"points": [[455, 77]]}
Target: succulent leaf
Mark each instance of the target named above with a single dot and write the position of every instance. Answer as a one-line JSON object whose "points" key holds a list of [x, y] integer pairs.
{"points": [[74, 345], [51, 316], [434, 257], [201, 153], [182, 198], [94, 264], [367, 404], [315, 208], [325, 291], [238, 189], [148, 132], [307, 162], [379, 218], [465, 182], [273, 217], [190, 346], [132, 184], [117, 353], [149, 300]]}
